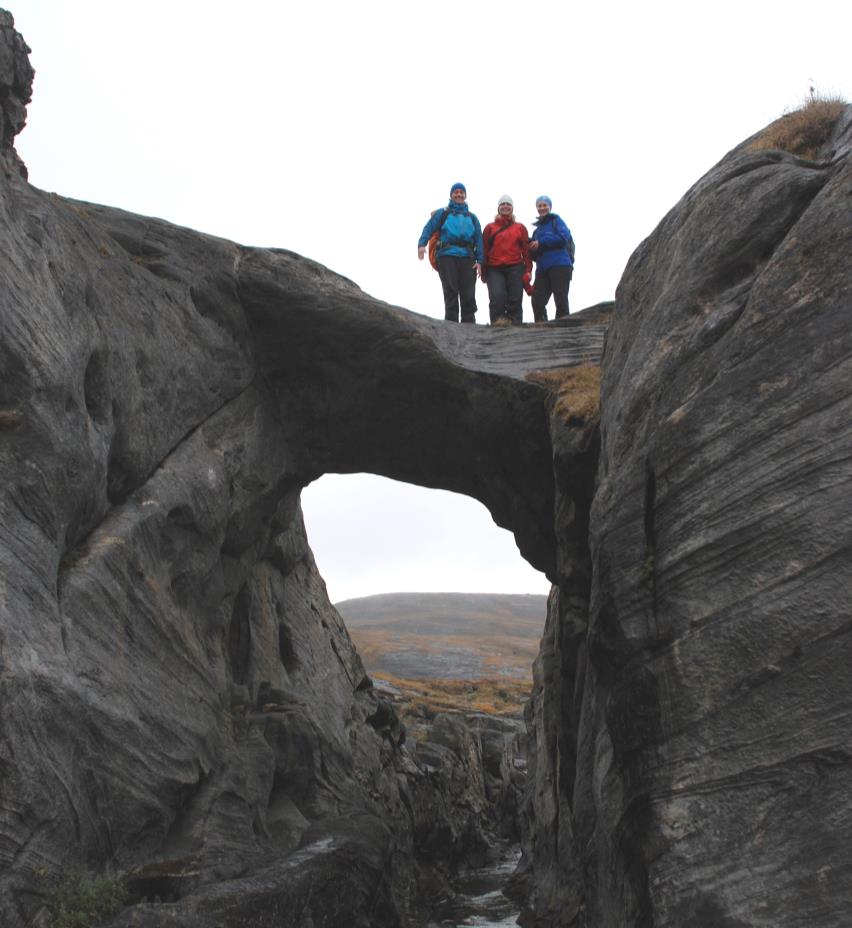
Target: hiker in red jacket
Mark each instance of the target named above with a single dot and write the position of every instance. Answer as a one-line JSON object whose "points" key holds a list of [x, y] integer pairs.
{"points": [[507, 264]]}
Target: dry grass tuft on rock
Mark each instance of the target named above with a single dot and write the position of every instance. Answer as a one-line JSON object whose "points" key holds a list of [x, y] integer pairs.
{"points": [[576, 391], [804, 131]]}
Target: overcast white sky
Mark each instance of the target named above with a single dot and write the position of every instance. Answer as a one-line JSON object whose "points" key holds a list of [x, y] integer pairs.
{"points": [[334, 128]]}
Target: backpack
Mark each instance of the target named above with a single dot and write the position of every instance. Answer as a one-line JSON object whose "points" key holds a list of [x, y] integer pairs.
{"points": [[435, 238], [570, 237]]}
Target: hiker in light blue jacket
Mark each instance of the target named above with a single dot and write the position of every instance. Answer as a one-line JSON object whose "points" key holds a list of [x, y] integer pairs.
{"points": [[552, 249], [459, 254]]}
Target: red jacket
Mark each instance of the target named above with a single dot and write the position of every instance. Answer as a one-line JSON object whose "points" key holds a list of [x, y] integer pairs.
{"points": [[507, 247]]}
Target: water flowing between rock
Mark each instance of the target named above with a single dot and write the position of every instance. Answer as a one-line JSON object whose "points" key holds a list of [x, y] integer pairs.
{"points": [[479, 900]]}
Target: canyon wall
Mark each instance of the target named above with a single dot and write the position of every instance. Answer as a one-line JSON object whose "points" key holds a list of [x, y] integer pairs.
{"points": [[692, 708], [178, 698]]}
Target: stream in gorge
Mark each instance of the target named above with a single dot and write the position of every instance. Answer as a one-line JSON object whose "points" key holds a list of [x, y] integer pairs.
{"points": [[479, 899]]}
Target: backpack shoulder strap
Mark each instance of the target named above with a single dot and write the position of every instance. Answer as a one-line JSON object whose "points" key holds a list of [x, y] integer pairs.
{"points": [[495, 234]]}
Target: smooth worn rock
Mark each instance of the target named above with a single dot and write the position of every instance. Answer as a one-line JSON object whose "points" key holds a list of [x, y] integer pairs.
{"points": [[340, 876]]}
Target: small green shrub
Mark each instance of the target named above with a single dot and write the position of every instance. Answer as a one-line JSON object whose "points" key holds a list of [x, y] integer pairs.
{"points": [[80, 901]]}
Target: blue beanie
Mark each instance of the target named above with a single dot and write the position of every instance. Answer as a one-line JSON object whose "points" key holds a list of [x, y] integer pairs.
{"points": [[458, 185], [544, 199]]}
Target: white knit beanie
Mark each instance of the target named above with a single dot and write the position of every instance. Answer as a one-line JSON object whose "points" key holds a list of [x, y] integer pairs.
{"points": [[505, 199]]}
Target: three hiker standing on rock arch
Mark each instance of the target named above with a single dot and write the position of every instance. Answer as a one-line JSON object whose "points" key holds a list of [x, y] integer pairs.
{"points": [[502, 257]]}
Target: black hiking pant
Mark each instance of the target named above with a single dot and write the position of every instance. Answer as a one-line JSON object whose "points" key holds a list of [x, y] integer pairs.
{"points": [[458, 278], [554, 281], [505, 292]]}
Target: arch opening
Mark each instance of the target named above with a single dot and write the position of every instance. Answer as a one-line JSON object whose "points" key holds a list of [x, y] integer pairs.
{"points": [[373, 535], [442, 608], [447, 618]]}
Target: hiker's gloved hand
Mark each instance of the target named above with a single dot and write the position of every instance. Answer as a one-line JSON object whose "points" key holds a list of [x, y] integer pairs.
{"points": [[529, 289], [527, 278], [421, 251]]}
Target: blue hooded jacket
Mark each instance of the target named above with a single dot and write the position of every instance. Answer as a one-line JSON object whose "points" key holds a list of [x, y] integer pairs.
{"points": [[461, 234], [553, 238]]}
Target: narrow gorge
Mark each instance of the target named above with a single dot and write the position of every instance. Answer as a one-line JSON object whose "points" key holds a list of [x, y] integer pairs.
{"points": [[180, 701]]}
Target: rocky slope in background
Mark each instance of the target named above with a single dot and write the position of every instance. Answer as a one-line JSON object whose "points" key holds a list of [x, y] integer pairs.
{"points": [[176, 692], [477, 614], [452, 636]]}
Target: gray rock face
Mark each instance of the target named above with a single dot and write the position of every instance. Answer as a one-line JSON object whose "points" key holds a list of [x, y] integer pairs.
{"points": [[175, 684], [694, 746], [16, 85], [177, 696], [504, 764]]}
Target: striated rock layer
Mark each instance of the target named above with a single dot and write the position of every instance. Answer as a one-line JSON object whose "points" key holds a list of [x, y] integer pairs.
{"points": [[693, 723]]}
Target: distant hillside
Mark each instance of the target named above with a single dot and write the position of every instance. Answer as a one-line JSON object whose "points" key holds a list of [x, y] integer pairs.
{"points": [[451, 636]]}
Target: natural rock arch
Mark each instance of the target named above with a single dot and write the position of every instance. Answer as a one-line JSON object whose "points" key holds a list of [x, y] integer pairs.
{"points": [[177, 686], [158, 415]]}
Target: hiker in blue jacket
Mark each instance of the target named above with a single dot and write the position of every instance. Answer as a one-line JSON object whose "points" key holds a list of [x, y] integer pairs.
{"points": [[459, 254], [552, 249]]}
